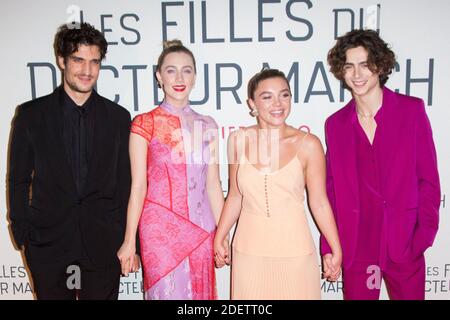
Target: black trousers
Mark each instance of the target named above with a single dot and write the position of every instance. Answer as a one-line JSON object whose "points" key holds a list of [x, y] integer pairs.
{"points": [[74, 279]]}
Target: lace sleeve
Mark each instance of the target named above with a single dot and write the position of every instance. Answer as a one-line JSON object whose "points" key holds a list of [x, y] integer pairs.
{"points": [[143, 125]]}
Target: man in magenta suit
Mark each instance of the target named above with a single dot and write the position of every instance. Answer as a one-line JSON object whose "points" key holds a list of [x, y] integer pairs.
{"points": [[382, 177]]}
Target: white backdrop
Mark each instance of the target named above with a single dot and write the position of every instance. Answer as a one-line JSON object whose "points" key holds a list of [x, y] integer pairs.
{"points": [[231, 40]]}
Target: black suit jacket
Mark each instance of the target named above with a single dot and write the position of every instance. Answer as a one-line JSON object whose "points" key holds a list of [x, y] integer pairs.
{"points": [[47, 218]]}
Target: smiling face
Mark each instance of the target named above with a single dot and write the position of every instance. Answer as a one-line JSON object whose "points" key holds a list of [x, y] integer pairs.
{"points": [[177, 78], [272, 100], [357, 74], [81, 70]]}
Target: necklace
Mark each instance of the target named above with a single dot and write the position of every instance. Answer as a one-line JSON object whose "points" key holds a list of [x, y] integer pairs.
{"points": [[365, 115]]}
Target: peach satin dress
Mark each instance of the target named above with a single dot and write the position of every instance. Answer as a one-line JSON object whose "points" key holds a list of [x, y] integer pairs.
{"points": [[274, 256]]}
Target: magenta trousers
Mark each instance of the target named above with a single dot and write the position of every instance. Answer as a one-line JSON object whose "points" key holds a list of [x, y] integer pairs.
{"points": [[404, 281]]}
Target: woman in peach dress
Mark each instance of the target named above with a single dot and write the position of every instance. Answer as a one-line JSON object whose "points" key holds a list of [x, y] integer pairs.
{"points": [[270, 164]]}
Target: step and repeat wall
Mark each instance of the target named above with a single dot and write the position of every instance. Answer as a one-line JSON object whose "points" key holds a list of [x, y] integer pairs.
{"points": [[232, 40]]}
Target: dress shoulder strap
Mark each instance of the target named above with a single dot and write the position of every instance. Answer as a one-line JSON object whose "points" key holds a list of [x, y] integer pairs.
{"points": [[239, 145], [300, 148], [302, 140]]}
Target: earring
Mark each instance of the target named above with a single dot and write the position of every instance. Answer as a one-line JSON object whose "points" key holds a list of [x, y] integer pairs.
{"points": [[254, 113]]}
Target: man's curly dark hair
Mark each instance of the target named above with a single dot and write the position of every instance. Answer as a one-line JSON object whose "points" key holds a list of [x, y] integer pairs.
{"points": [[381, 58], [69, 38]]}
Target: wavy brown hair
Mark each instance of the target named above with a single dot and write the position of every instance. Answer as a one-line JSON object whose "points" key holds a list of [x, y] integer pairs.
{"points": [[68, 39], [381, 59]]}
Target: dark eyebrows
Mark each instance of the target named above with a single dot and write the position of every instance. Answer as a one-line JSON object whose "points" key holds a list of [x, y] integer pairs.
{"points": [[352, 64], [73, 57], [269, 92]]}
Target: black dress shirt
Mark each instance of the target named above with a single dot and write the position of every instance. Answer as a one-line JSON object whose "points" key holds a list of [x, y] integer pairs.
{"points": [[78, 133]]}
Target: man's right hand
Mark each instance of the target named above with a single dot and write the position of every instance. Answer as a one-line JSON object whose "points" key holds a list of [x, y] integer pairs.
{"points": [[127, 258], [331, 267]]}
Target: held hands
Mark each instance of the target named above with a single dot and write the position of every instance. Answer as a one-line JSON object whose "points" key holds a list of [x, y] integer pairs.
{"points": [[129, 260], [331, 266], [221, 252]]}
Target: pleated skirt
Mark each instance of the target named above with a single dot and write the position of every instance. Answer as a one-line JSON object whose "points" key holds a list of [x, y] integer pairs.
{"points": [[275, 278]]}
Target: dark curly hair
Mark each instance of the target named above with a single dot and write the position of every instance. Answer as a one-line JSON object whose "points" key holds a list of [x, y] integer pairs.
{"points": [[264, 74], [381, 58], [68, 39]]}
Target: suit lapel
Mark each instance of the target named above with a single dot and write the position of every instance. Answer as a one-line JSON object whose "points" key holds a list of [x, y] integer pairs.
{"points": [[389, 134], [347, 149], [101, 142], [100, 148]]}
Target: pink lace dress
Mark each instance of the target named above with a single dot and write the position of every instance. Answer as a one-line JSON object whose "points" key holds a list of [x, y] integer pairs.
{"points": [[177, 226]]}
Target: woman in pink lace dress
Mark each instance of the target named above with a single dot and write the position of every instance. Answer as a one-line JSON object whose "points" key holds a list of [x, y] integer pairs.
{"points": [[176, 197]]}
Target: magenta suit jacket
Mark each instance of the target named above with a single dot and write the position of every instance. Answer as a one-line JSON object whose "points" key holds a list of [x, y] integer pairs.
{"points": [[409, 178]]}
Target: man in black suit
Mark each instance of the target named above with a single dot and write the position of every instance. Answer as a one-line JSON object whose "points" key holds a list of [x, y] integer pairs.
{"points": [[71, 148]]}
